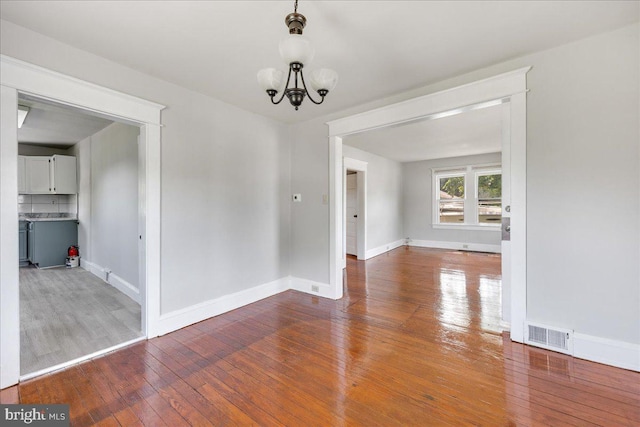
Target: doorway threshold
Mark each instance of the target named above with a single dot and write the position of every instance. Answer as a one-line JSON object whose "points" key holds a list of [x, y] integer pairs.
{"points": [[80, 359]]}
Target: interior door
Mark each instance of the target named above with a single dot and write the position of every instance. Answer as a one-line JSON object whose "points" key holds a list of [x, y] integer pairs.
{"points": [[352, 214]]}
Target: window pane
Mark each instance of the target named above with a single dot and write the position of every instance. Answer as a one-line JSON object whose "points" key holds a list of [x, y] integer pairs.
{"points": [[451, 211], [489, 211], [490, 186], [452, 187]]}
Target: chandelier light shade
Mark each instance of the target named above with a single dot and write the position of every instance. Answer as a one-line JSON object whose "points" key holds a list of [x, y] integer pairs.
{"points": [[297, 52], [296, 48], [323, 78], [270, 79]]}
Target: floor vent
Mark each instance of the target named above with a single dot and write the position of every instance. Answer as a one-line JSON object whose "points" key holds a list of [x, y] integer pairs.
{"points": [[550, 338]]}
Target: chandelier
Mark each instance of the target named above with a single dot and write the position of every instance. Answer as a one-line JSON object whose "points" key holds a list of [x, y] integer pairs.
{"points": [[296, 50]]}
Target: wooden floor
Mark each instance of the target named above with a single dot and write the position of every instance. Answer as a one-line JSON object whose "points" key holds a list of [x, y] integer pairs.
{"points": [[67, 313], [412, 343]]}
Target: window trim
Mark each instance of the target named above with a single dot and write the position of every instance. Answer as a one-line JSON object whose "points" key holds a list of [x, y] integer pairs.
{"points": [[470, 197]]}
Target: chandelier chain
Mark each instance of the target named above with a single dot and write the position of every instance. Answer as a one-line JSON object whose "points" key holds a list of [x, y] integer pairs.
{"points": [[295, 6]]}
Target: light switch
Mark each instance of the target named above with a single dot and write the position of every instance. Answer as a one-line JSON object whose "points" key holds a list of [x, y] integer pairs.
{"points": [[297, 197], [325, 199]]}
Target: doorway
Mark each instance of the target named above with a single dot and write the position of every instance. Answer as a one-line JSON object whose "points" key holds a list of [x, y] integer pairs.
{"points": [[508, 89], [93, 304], [19, 77], [356, 217], [351, 213]]}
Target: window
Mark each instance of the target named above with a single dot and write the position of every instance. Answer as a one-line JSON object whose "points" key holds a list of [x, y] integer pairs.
{"points": [[450, 199], [469, 197], [489, 196]]}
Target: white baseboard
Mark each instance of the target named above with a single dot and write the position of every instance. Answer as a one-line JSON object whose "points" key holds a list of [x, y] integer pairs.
{"points": [[474, 247], [113, 279], [178, 319], [609, 352], [311, 287], [384, 248]]}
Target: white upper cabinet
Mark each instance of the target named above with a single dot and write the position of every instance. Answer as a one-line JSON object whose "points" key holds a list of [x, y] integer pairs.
{"points": [[47, 174], [22, 174], [37, 174], [63, 174]]}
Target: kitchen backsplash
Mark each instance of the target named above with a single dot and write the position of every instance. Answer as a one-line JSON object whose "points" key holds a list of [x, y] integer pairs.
{"points": [[48, 203]]}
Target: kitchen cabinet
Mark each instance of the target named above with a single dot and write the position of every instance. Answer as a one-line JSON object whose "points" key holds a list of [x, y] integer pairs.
{"points": [[38, 174], [48, 174], [22, 238], [22, 174], [48, 241], [63, 174]]}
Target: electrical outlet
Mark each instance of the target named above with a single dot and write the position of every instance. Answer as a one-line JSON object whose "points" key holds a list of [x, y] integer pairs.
{"points": [[315, 288], [465, 246]]}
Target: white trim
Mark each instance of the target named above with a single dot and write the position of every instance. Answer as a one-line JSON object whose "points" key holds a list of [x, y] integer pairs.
{"points": [[509, 88], [506, 213], [489, 89], [468, 227], [80, 359], [308, 286], [385, 248], [93, 268], [178, 319], [18, 76], [9, 276], [517, 134], [610, 352], [43, 83], [459, 246], [112, 279], [336, 188]]}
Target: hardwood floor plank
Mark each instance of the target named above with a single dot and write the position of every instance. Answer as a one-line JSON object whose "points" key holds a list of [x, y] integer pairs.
{"points": [[416, 340], [10, 395]]}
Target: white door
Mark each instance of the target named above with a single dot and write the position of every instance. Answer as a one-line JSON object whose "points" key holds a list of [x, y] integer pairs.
{"points": [[352, 214]]}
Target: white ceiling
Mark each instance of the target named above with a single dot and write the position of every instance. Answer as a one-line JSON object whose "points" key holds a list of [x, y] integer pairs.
{"points": [[54, 125], [472, 132], [379, 48]]}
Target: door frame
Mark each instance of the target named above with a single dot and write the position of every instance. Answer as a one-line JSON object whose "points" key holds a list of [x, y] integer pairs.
{"points": [[508, 88], [360, 167], [21, 77]]}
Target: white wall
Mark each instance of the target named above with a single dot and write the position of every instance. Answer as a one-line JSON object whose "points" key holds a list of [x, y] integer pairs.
{"points": [[82, 151], [418, 206], [108, 197], [310, 218], [582, 146], [225, 178], [384, 197], [583, 201]]}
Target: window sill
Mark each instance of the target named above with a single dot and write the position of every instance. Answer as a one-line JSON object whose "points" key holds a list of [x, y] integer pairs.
{"points": [[469, 227]]}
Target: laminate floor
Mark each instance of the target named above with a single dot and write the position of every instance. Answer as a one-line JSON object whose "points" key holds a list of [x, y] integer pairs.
{"points": [[69, 313]]}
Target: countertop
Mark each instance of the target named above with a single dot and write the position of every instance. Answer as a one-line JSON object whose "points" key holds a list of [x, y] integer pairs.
{"points": [[47, 217]]}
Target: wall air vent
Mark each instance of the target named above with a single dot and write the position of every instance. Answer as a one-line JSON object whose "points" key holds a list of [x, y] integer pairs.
{"points": [[556, 339]]}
